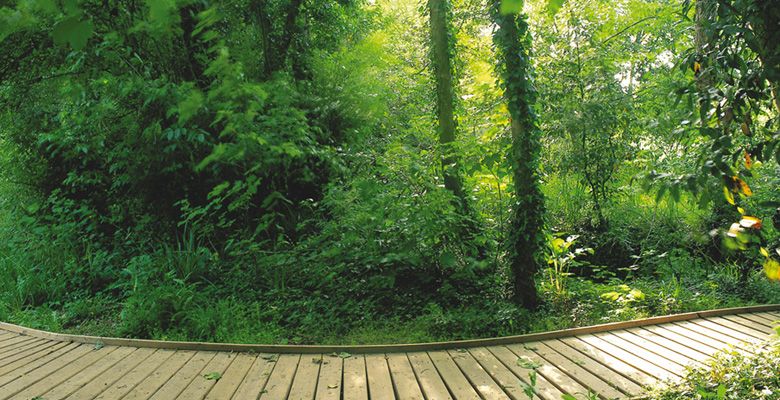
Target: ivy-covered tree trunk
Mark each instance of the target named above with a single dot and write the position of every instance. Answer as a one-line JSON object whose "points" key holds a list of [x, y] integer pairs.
{"points": [[441, 60], [442, 69], [513, 43]]}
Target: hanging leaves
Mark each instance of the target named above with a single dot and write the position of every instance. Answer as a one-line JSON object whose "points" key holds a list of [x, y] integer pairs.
{"points": [[511, 6], [72, 31]]}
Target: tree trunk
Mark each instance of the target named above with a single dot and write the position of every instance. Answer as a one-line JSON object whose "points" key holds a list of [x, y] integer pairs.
{"points": [[441, 60], [442, 70], [705, 14], [513, 43], [275, 46]]}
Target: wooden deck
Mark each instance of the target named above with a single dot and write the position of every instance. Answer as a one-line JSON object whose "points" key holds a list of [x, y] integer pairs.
{"points": [[612, 360]]}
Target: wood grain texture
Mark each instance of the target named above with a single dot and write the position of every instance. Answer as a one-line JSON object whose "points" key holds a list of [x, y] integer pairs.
{"points": [[613, 361]]}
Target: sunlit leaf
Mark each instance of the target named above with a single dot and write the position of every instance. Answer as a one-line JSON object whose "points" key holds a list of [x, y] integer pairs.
{"points": [[728, 195], [772, 269], [748, 161], [750, 222], [554, 5], [735, 230], [511, 6]]}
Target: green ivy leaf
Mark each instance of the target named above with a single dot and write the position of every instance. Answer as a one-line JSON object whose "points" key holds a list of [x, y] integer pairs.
{"points": [[73, 31], [213, 376], [511, 6], [554, 5]]}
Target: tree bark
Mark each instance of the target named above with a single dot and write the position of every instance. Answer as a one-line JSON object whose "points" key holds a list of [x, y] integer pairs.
{"points": [[275, 45], [442, 70], [513, 43]]}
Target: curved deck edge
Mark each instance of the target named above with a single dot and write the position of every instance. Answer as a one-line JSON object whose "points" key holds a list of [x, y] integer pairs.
{"points": [[382, 348]]}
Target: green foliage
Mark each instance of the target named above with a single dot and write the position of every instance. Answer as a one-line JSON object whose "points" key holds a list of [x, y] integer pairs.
{"points": [[730, 375], [271, 171]]}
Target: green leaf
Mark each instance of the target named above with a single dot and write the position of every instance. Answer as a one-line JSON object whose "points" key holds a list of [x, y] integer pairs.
{"points": [[447, 259], [511, 6], [72, 30], [527, 362], [554, 5], [213, 376], [568, 397], [99, 345], [190, 105]]}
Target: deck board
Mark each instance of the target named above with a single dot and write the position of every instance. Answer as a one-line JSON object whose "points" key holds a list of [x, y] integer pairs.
{"points": [[613, 361]]}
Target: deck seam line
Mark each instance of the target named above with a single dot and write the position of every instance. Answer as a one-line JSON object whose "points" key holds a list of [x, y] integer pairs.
{"points": [[664, 357], [99, 373], [713, 339], [641, 356], [665, 344], [170, 376], [684, 344], [747, 329], [621, 373], [609, 383], [129, 369], [548, 379]]}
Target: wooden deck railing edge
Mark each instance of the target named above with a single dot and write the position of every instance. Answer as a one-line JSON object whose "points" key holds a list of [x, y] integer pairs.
{"points": [[412, 347]]}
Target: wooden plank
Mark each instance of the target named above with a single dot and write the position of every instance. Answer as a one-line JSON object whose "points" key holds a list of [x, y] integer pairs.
{"points": [[58, 375], [87, 375], [15, 341], [681, 339], [704, 335], [113, 374], [192, 369], [658, 356], [380, 384], [665, 342], [53, 367], [544, 389], [202, 384], [724, 329], [123, 383], [754, 318], [19, 345], [619, 381], [355, 383], [329, 383], [640, 363], [20, 367], [758, 334], [773, 319], [477, 376], [671, 344], [677, 358], [304, 383], [234, 375], [505, 378], [634, 374], [35, 343], [48, 347], [255, 380], [773, 315], [749, 323], [404, 381], [432, 385], [278, 385], [553, 374], [578, 373], [149, 386], [456, 382]]}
